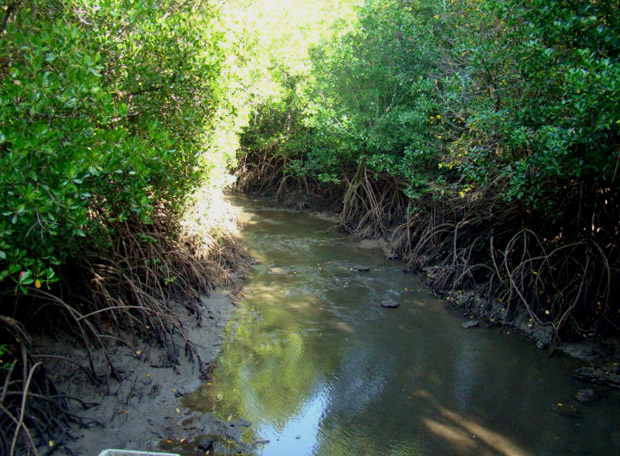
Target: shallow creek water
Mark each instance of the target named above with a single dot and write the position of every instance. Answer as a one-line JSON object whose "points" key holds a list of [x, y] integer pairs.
{"points": [[320, 368]]}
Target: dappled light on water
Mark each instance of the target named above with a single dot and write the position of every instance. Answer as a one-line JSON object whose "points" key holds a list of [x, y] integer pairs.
{"points": [[465, 434], [321, 368]]}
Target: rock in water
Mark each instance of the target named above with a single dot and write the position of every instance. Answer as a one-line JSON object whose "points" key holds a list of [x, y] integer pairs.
{"points": [[204, 443], [608, 374], [470, 324], [390, 304], [585, 395], [565, 409], [589, 395]]}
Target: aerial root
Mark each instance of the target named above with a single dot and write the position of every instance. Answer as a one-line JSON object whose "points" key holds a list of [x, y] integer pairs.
{"points": [[127, 294]]}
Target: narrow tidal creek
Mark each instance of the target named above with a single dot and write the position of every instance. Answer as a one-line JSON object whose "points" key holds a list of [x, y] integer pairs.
{"points": [[321, 368]]}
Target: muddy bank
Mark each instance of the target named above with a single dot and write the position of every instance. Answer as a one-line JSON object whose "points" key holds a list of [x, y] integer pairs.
{"points": [[602, 354], [141, 410]]}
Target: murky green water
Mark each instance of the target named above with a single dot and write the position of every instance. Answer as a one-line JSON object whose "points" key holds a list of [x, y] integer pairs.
{"points": [[320, 368]]}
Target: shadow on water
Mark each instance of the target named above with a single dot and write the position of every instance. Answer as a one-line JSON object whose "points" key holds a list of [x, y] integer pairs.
{"points": [[319, 367]]}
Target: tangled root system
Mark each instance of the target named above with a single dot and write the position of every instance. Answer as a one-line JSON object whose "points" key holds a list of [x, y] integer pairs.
{"points": [[551, 273], [33, 414], [371, 204], [260, 173], [479, 241], [265, 174], [132, 291]]}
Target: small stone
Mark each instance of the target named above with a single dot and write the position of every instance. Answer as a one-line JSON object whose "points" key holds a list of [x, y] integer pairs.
{"points": [[204, 443], [470, 324], [584, 395], [390, 304], [588, 395], [566, 409]]}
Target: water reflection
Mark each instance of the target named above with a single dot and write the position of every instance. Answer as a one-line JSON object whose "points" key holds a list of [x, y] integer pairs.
{"points": [[320, 368]]}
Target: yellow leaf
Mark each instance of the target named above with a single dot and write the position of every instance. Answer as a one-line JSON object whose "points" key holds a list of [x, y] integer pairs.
{"points": [[37, 283]]}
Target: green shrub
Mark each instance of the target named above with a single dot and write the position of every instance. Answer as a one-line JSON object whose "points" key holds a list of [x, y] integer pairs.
{"points": [[104, 113]]}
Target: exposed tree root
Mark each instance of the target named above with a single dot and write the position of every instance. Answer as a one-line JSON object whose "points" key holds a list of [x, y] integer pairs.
{"points": [[479, 242], [561, 278], [272, 177], [125, 294], [260, 173], [34, 418], [371, 204]]}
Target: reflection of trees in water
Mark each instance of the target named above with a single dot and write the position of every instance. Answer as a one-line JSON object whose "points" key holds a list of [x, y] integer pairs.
{"points": [[362, 376], [408, 381], [361, 416], [268, 371]]}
